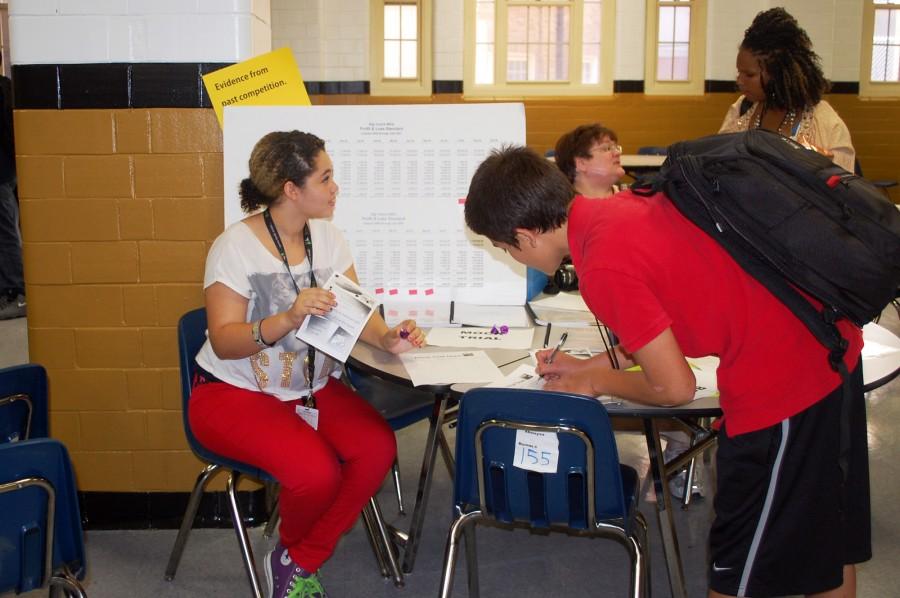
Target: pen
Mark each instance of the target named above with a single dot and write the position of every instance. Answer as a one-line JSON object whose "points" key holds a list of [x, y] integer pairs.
{"points": [[562, 341]]}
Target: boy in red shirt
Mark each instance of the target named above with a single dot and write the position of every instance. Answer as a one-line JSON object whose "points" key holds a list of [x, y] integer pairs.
{"points": [[787, 522]]}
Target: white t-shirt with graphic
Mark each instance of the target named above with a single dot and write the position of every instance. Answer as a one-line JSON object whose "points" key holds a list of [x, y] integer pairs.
{"points": [[239, 260]]}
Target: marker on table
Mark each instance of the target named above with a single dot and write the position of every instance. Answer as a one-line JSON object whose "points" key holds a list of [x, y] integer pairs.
{"points": [[562, 341]]}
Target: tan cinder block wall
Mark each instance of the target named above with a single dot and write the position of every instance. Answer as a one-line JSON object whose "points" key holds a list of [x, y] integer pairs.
{"points": [[119, 208]]}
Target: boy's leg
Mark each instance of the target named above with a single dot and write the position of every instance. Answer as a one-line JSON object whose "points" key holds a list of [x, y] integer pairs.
{"points": [[785, 521]]}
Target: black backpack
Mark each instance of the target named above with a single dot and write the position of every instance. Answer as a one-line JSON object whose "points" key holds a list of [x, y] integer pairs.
{"points": [[792, 219]]}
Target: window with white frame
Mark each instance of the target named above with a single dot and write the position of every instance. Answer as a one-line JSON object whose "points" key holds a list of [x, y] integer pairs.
{"points": [[539, 47], [675, 46], [401, 47], [880, 67]]}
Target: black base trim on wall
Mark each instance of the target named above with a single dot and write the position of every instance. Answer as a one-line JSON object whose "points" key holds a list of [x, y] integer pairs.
{"points": [[180, 85], [165, 510]]}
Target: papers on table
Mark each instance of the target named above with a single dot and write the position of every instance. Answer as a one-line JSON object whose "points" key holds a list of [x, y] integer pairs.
{"points": [[336, 332], [523, 376], [466, 337], [513, 316], [562, 300], [562, 309], [426, 315], [705, 376], [457, 367]]}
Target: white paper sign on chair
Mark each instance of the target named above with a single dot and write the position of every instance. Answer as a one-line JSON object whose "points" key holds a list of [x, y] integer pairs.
{"points": [[537, 451]]}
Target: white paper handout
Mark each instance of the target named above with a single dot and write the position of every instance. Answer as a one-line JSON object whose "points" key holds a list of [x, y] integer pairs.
{"points": [[337, 332], [523, 376], [512, 316], [562, 300], [466, 337], [450, 367]]}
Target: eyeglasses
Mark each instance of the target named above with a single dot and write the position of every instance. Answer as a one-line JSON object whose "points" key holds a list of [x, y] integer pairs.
{"points": [[605, 148]]}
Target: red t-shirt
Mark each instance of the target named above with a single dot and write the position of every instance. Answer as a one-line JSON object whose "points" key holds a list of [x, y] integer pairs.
{"points": [[643, 267]]}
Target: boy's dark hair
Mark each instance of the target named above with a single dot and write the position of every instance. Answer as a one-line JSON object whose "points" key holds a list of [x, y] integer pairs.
{"points": [[516, 188], [277, 158], [577, 143], [784, 50]]}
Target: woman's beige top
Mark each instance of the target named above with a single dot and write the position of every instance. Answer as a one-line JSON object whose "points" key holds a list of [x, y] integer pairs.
{"points": [[820, 125]]}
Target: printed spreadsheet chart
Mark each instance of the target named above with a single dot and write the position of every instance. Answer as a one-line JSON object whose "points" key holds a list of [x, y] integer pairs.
{"points": [[403, 173]]}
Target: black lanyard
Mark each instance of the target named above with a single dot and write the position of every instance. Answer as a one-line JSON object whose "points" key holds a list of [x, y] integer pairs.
{"points": [[307, 243]]}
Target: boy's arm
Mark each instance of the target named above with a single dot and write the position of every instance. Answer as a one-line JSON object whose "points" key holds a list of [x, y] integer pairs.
{"points": [[665, 378]]}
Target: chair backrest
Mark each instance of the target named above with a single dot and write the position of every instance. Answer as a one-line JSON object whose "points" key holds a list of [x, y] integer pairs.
{"points": [[191, 336], [23, 403], [653, 150], [25, 468], [488, 421]]}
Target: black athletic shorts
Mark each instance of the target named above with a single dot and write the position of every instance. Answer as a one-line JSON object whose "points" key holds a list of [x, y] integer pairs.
{"points": [[786, 521]]}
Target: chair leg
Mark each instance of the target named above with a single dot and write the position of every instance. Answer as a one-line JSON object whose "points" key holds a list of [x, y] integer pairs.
{"points": [[241, 531], [471, 560], [68, 584], [274, 518], [451, 549], [395, 468], [640, 558], [384, 538], [188, 521], [446, 453], [372, 534]]}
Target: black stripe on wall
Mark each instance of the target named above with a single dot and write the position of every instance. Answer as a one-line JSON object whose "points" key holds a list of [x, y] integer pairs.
{"points": [[180, 85], [164, 510]]}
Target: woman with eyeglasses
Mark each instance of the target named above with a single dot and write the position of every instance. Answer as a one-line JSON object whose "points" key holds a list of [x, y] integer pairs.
{"points": [[590, 156]]}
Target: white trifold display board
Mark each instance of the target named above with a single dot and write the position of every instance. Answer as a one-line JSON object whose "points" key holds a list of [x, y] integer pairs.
{"points": [[404, 173]]}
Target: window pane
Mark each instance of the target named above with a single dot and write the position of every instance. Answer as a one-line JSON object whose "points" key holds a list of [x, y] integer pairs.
{"points": [[538, 67], [517, 24], [391, 21], [882, 18], [484, 23], [894, 26], [664, 62], [409, 24], [892, 64], [683, 24], [391, 58], [408, 61], [666, 23], [592, 22], [680, 62], [559, 62], [559, 24], [537, 23], [590, 64], [484, 64], [517, 62]]}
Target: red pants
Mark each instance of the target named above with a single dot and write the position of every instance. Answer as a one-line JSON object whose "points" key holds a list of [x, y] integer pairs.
{"points": [[326, 475]]}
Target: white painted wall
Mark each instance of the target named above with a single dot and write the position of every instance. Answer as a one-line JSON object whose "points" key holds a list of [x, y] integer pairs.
{"points": [[97, 31], [330, 38]]}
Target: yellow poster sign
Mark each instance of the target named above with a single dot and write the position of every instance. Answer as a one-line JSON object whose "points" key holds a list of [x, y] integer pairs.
{"points": [[271, 79]]}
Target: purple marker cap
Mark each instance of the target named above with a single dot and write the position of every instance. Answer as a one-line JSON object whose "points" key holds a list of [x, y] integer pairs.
{"points": [[404, 333]]}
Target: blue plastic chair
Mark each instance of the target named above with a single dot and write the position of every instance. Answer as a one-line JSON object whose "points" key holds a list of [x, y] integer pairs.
{"points": [[23, 403], [191, 336], [590, 494], [41, 541]]}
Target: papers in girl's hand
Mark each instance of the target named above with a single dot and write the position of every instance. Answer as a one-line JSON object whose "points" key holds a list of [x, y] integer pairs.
{"points": [[457, 367], [523, 376], [516, 338], [336, 332]]}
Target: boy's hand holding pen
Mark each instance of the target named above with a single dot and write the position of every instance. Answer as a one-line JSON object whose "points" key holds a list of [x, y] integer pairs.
{"points": [[548, 360]]}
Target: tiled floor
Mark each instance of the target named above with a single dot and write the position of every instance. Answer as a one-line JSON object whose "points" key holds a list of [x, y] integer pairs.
{"points": [[131, 563]]}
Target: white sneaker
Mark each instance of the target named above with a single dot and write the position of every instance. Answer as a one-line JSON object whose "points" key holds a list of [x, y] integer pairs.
{"points": [[677, 482]]}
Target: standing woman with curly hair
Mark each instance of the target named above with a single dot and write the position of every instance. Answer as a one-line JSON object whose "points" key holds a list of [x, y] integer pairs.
{"points": [[782, 84]]}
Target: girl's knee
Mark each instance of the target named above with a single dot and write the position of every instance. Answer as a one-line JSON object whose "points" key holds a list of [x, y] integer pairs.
{"points": [[321, 478]]}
